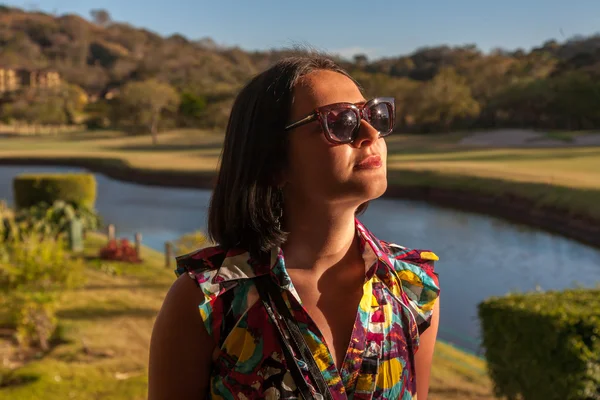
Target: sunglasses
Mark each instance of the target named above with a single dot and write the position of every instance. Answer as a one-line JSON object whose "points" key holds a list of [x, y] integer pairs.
{"points": [[341, 121]]}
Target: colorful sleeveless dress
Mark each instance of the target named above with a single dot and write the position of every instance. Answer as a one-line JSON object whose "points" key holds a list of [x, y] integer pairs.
{"points": [[400, 291]]}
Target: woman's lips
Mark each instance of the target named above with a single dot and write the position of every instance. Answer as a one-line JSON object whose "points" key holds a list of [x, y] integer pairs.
{"points": [[371, 162]]}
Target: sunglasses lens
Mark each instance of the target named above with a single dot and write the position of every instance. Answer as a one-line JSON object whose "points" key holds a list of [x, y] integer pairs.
{"points": [[380, 118], [342, 125]]}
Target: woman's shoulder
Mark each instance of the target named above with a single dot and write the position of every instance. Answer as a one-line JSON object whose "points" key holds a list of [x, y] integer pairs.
{"points": [[414, 272], [400, 257], [202, 266], [220, 274], [403, 257], [200, 261]]}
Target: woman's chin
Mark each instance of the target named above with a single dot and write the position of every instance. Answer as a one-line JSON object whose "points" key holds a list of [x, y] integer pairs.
{"points": [[373, 187]]}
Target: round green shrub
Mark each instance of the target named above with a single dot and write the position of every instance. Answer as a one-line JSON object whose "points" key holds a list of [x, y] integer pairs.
{"points": [[76, 189], [545, 345]]}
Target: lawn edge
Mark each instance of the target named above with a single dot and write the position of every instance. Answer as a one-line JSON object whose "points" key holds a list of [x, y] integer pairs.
{"points": [[462, 192]]}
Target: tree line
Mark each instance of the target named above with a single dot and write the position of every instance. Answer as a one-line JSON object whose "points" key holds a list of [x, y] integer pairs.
{"points": [[135, 79]]}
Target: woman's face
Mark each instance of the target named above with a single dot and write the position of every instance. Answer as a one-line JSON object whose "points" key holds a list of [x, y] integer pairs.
{"points": [[319, 171]]}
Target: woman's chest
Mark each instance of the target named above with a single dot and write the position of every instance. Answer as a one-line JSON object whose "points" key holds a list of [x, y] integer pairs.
{"points": [[368, 331], [333, 314]]}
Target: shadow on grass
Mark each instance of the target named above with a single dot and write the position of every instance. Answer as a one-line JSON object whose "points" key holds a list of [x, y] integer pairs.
{"points": [[148, 285], [10, 379], [95, 313], [85, 354], [397, 148], [83, 136], [458, 393], [476, 156], [168, 147], [79, 162], [8, 135]]}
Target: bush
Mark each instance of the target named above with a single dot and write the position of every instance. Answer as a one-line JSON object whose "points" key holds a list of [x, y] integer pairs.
{"points": [[98, 115], [97, 122], [544, 345], [33, 275], [8, 226], [40, 264], [55, 220], [34, 315], [191, 109], [43, 222], [76, 189], [121, 250], [48, 106], [190, 242]]}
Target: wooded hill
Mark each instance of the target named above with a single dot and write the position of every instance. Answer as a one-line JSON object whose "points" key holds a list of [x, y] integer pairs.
{"points": [[437, 88]]}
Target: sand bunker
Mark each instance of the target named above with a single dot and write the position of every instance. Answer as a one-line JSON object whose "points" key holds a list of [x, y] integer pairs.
{"points": [[525, 138]]}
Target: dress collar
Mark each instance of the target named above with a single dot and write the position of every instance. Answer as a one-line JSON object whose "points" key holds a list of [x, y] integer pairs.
{"points": [[240, 265]]}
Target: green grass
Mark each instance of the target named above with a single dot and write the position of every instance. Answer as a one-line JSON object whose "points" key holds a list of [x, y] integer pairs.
{"points": [[108, 325], [564, 179], [196, 150], [567, 178], [458, 375], [577, 203]]}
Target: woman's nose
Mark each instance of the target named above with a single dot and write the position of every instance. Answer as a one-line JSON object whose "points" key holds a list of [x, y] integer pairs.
{"points": [[367, 135]]}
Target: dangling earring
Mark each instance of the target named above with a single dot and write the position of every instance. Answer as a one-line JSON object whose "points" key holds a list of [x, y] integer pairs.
{"points": [[278, 208]]}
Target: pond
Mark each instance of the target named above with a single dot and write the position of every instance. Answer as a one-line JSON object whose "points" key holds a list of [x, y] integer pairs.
{"points": [[480, 256]]}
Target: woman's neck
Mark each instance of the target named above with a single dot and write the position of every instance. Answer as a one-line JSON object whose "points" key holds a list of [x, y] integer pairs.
{"points": [[319, 237]]}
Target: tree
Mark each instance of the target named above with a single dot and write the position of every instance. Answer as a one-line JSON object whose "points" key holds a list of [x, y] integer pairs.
{"points": [[141, 105], [52, 106], [100, 17], [361, 60], [524, 103], [403, 67], [380, 84], [191, 108], [34, 107], [576, 100], [76, 44], [74, 99], [443, 100], [486, 75]]}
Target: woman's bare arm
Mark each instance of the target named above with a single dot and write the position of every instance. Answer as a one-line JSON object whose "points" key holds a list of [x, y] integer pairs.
{"points": [[424, 355], [181, 348]]}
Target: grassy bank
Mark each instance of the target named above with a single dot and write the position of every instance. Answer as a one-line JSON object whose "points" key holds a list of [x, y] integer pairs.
{"points": [[195, 150], [563, 181], [107, 327]]}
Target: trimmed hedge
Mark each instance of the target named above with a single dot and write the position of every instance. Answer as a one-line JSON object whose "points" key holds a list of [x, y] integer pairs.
{"points": [[543, 345], [76, 189]]}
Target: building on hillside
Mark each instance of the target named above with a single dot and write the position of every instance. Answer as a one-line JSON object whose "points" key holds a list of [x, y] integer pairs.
{"points": [[8, 80], [41, 78], [13, 79]]}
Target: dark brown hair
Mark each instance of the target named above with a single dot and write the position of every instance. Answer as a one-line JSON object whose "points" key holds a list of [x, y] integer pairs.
{"points": [[242, 210]]}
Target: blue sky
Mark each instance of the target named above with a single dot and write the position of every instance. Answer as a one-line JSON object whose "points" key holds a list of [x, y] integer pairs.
{"points": [[374, 27]]}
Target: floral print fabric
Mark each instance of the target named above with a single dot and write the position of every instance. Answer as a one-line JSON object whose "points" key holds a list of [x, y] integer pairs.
{"points": [[399, 294]]}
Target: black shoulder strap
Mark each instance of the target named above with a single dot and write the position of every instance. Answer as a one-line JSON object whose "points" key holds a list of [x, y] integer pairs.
{"points": [[269, 292]]}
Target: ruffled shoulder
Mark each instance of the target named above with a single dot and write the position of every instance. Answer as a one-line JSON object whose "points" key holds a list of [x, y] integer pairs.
{"points": [[415, 271], [203, 266]]}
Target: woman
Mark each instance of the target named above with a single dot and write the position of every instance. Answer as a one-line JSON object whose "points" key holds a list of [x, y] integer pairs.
{"points": [[299, 300]]}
